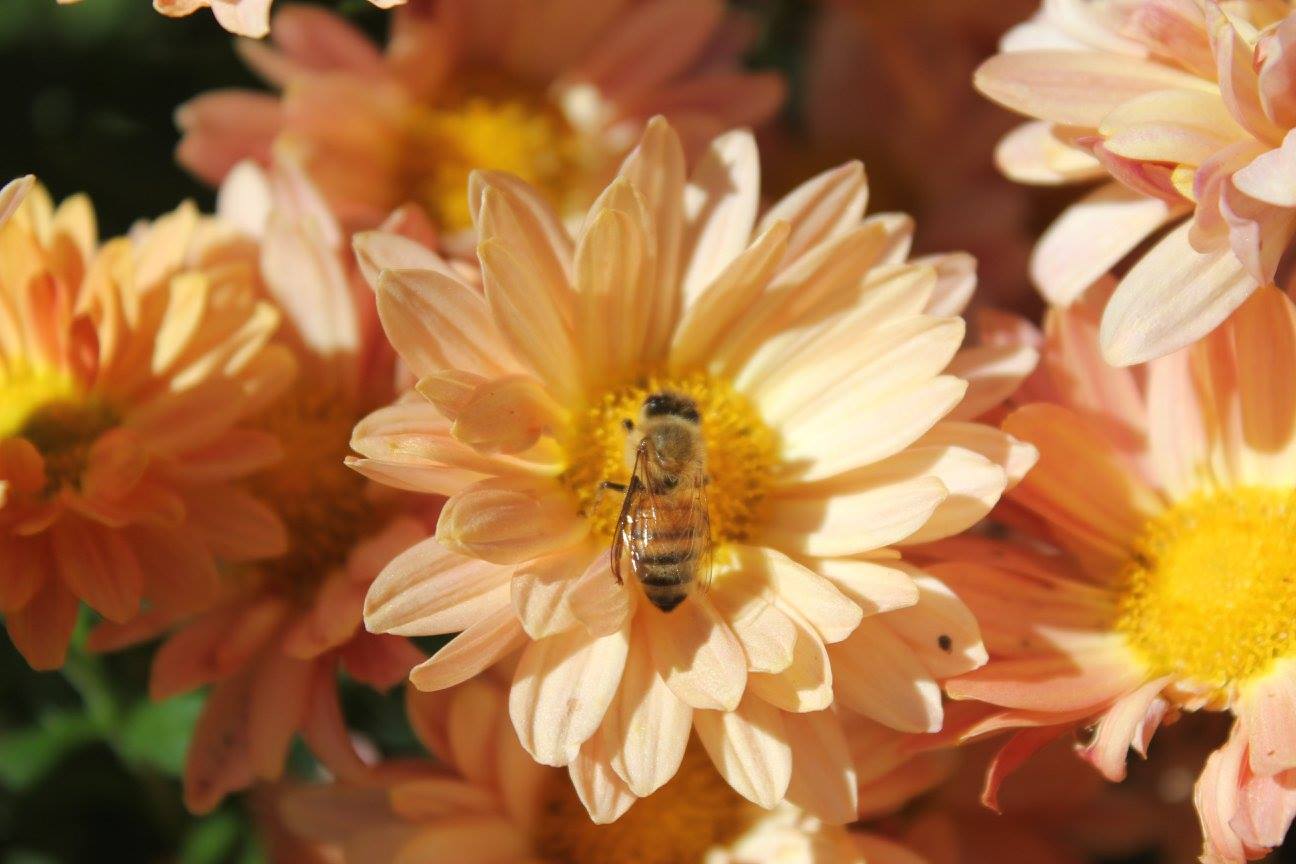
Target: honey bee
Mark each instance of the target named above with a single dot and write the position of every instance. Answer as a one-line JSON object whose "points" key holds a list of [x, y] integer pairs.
{"points": [[664, 529]]}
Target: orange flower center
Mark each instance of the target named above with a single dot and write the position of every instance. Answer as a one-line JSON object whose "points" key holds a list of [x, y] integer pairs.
{"points": [[694, 812], [741, 453], [322, 502], [492, 123], [1210, 595], [48, 409]]}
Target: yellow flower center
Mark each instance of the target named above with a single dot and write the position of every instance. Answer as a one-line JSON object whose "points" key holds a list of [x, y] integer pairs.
{"points": [[321, 501], [677, 824], [493, 124], [48, 409], [1210, 595], [741, 453]]}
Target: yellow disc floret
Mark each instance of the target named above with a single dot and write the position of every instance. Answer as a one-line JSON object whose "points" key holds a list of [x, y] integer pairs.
{"points": [[50, 411], [494, 125], [1210, 593], [694, 812], [741, 452]]}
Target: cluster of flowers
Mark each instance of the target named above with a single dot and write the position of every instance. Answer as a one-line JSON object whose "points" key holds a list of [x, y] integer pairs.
{"points": [[378, 393]]}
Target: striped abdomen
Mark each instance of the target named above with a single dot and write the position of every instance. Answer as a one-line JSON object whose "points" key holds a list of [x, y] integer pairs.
{"points": [[665, 551]]}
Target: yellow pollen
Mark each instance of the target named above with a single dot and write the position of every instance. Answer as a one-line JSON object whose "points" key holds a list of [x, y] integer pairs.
{"points": [[1210, 593], [491, 124], [48, 410], [677, 824], [321, 501], [742, 453]]}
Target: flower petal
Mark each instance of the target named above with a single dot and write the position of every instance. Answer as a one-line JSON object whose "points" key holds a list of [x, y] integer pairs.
{"points": [[748, 745], [696, 653], [429, 589]]}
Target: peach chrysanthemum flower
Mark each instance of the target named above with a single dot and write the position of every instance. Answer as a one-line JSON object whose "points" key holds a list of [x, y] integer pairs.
{"points": [[815, 359], [244, 17], [555, 93], [486, 802], [274, 642], [126, 369], [1149, 572], [1189, 108]]}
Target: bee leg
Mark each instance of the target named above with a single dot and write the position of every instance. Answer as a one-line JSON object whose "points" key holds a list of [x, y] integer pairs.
{"points": [[615, 487]]}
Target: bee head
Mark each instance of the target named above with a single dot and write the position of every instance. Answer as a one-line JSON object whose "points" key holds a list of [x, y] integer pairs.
{"points": [[668, 404]]}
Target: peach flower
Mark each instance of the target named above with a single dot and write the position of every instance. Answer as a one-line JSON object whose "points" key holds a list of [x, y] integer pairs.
{"points": [[554, 92], [817, 357], [127, 370], [486, 802], [274, 642], [1147, 574], [1189, 108]]}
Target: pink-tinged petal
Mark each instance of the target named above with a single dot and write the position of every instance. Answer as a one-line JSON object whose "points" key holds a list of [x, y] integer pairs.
{"points": [[749, 747], [467, 839], [429, 589], [875, 586], [40, 630], [540, 590], [1020, 747], [940, 629], [561, 690], [1177, 430], [506, 415], [604, 794], [1271, 176], [435, 322], [278, 698], [221, 128], [431, 798], [646, 727], [507, 209], [1127, 723], [1269, 706], [993, 373], [806, 684], [321, 40], [823, 775], [327, 734], [820, 209], [380, 662], [1277, 73], [973, 482], [846, 521], [881, 677], [242, 17], [1079, 484], [218, 761], [1092, 236], [1258, 233], [376, 251], [1014, 457], [719, 210], [492, 637], [12, 195], [1217, 799], [99, 567], [1096, 669], [1032, 153], [1266, 807], [696, 653], [1239, 85], [535, 330], [766, 633], [831, 614], [234, 525], [651, 44], [1075, 88], [508, 520]]}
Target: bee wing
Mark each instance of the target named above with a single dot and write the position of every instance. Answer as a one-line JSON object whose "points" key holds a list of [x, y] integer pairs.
{"points": [[631, 522], [702, 540]]}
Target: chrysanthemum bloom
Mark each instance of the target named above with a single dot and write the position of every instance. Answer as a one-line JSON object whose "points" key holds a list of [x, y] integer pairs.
{"points": [[817, 373], [555, 93], [1189, 107], [486, 802], [244, 17], [1151, 574], [273, 643], [125, 371]]}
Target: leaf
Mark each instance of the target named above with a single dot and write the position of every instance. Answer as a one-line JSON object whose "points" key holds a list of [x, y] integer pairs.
{"points": [[27, 754], [157, 734]]}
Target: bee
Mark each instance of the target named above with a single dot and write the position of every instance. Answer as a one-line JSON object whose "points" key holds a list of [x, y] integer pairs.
{"points": [[664, 529]]}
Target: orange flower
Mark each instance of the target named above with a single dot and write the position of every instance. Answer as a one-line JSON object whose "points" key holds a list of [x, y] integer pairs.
{"points": [[1151, 574], [555, 93], [814, 353], [125, 371], [1188, 107], [273, 643], [487, 802]]}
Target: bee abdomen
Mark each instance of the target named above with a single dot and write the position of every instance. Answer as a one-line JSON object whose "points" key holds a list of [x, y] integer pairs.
{"points": [[666, 597]]}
